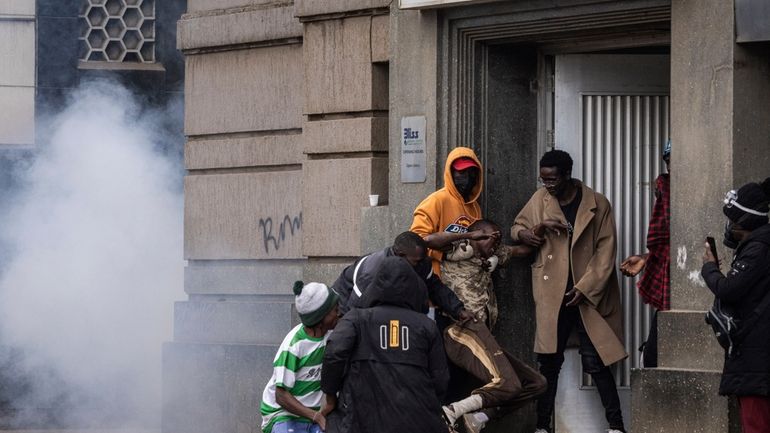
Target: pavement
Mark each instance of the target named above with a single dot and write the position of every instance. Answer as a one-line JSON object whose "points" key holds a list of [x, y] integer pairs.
{"points": [[83, 431]]}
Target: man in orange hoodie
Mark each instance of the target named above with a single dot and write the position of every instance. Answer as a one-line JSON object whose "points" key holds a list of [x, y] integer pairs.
{"points": [[449, 212], [454, 207]]}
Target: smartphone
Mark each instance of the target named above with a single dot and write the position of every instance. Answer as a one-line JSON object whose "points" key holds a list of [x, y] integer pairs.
{"points": [[713, 245]]}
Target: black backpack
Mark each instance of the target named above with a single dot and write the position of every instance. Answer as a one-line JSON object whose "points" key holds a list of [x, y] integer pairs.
{"points": [[725, 326]]}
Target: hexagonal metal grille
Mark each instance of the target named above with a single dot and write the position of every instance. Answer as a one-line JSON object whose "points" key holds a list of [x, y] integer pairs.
{"points": [[117, 31]]}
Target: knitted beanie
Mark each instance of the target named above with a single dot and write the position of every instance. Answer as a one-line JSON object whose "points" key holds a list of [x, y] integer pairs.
{"points": [[749, 196], [313, 301]]}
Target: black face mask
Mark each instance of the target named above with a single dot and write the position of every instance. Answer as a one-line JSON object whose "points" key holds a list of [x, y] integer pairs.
{"points": [[465, 180], [730, 241]]}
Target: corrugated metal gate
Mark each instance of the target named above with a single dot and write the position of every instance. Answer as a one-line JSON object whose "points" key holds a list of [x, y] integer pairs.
{"points": [[622, 140], [611, 113]]}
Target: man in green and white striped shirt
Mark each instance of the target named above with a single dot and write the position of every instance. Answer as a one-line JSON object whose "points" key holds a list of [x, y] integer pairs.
{"points": [[293, 400]]}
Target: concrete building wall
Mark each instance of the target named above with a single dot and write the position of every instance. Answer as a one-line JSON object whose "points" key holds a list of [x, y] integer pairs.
{"points": [[414, 87], [346, 102], [286, 125], [17, 73], [243, 211]]}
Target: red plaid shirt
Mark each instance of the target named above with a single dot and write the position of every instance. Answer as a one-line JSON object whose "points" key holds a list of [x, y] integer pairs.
{"points": [[654, 284]]}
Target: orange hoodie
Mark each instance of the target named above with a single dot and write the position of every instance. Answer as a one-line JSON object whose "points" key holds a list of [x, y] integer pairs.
{"points": [[445, 209]]}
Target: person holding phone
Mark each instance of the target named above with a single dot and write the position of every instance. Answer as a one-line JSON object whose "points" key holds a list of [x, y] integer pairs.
{"points": [[746, 372]]}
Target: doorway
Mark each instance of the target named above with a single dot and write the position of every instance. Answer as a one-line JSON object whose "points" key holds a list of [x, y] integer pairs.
{"points": [[610, 112], [497, 94]]}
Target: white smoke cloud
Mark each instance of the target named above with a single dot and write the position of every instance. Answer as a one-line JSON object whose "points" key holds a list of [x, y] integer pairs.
{"points": [[95, 262]]}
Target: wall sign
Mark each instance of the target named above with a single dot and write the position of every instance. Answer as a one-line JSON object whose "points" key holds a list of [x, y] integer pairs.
{"points": [[413, 161]]}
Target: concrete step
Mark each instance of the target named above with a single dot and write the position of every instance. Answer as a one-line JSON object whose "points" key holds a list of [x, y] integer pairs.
{"points": [[242, 277], [233, 322], [673, 401], [685, 341], [210, 388]]}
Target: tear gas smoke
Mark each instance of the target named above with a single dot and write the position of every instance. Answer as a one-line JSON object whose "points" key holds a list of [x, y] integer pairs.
{"points": [[93, 265]]}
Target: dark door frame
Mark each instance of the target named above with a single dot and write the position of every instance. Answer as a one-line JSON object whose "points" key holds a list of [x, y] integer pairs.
{"points": [[466, 33]]}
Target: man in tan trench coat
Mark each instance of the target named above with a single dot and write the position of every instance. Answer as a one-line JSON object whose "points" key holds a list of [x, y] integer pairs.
{"points": [[585, 300]]}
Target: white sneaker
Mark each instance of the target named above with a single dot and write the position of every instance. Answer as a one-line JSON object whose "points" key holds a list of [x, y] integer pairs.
{"points": [[612, 430], [449, 415], [472, 423], [540, 430]]}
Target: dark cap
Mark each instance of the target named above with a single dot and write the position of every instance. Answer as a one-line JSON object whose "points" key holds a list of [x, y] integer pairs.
{"points": [[747, 207]]}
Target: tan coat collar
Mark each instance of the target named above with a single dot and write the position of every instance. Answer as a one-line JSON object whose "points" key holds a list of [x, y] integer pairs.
{"points": [[585, 212]]}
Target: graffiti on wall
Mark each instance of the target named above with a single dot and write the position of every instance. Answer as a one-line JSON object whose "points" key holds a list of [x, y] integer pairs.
{"points": [[276, 236]]}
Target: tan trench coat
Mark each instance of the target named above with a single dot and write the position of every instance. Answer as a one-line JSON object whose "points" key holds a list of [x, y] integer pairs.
{"points": [[593, 268]]}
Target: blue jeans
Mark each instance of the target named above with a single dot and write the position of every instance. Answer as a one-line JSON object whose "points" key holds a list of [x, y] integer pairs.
{"points": [[292, 426]]}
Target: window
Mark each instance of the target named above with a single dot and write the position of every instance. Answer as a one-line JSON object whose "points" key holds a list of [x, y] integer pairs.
{"points": [[117, 31]]}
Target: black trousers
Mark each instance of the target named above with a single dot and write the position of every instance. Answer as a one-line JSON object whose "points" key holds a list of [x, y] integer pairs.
{"points": [[650, 347], [550, 366]]}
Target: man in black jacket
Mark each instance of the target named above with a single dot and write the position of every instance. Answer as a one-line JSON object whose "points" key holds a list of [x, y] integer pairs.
{"points": [[386, 359], [744, 290], [356, 278]]}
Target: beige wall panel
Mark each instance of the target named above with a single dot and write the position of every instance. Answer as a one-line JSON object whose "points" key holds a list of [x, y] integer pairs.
{"points": [[243, 216], [381, 38], [346, 135], [17, 7], [207, 5], [338, 67], [415, 92], [238, 28], [245, 90], [244, 152], [380, 88], [335, 190], [17, 48], [17, 123], [305, 8]]}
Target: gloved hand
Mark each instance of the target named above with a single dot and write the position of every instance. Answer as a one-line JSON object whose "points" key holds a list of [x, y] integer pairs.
{"points": [[492, 263], [463, 251]]}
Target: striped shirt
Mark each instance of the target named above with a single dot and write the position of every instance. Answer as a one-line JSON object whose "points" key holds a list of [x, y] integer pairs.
{"points": [[297, 369]]}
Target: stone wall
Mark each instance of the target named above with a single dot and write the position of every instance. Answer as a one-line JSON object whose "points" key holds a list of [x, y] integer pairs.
{"points": [[243, 211], [286, 124], [345, 63]]}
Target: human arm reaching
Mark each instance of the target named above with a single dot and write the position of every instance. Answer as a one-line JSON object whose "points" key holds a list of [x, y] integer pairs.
{"points": [[535, 236], [441, 240], [634, 264]]}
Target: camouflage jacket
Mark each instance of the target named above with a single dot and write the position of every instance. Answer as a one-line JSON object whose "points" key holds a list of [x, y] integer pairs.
{"points": [[467, 277]]}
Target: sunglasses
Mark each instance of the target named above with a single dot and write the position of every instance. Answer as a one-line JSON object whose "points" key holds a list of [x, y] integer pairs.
{"points": [[549, 181]]}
